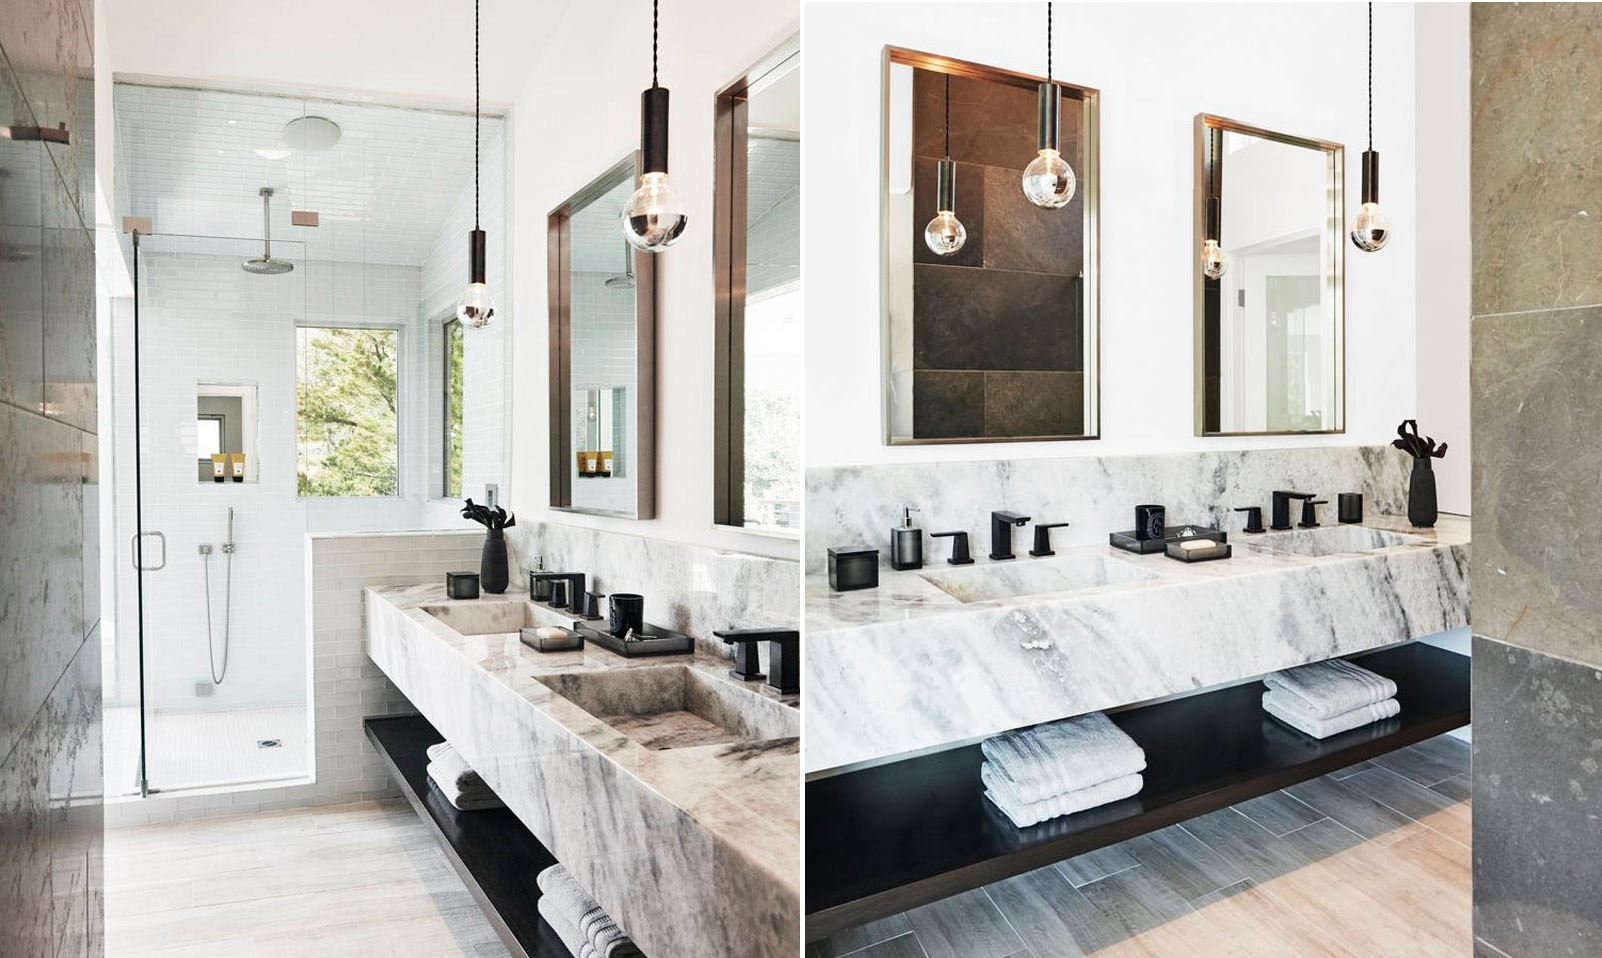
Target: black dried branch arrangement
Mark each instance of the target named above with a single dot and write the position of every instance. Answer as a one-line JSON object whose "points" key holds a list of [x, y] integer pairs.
{"points": [[1419, 447], [495, 519]]}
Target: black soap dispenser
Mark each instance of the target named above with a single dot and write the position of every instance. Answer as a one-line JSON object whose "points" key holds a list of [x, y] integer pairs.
{"points": [[906, 543]]}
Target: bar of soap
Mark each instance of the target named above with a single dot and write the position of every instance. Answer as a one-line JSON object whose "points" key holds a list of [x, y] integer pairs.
{"points": [[551, 632], [1190, 544]]}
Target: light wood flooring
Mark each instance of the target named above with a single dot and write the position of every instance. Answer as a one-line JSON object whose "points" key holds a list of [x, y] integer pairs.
{"points": [[1370, 862], [350, 881]]}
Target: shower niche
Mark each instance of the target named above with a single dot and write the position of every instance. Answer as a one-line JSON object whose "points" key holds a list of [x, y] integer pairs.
{"points": [[225, 432]]}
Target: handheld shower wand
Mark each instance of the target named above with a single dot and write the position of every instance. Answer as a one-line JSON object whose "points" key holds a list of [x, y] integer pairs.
{"points": [[228, 604]]}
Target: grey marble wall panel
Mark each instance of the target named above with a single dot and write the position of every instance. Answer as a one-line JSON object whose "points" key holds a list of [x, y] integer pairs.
{"points": [[1098, 495], [1536, 168], [69, 311], [1027, 403], [948, 403], [1021, 235], [25, 912], [992, 319], [1537, 780], [75, 799], [21, 259]]}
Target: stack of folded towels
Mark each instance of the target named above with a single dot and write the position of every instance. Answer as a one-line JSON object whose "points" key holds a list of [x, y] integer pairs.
{"points": [[1061, 768], [1327, 698], [584, 927], [457, 781]]}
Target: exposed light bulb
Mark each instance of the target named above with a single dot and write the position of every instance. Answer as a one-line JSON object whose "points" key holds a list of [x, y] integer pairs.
{"points": [[1372, 229], [1215, 262], [654, 217], [1049, 181], [476, 308], [945, 234]]}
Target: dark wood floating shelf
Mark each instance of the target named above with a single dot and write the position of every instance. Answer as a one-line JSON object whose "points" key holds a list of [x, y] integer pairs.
{"points": [[496, 857], [896, 836]]}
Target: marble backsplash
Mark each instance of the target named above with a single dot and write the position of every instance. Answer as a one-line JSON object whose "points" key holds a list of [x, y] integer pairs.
{"points": [[852, 505], [692, 589]]}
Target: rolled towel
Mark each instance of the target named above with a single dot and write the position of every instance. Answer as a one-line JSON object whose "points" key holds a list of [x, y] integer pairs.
{"points": [[1058, 757], [596, 929], [1032, 813], [467, 800], [447, 763], [1298, 719], [1332, 688]]}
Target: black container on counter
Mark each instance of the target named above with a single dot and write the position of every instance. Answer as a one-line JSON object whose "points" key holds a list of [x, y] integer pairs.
{"points": [[1149, 522], [628, 613], [461, 585], [1350, 507], [853, 567]]}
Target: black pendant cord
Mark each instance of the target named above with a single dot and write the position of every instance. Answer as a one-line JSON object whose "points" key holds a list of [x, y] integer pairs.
{"points": [[476, 101], [1048, 41], [656, 31], [948, 116], [1371, 76]]}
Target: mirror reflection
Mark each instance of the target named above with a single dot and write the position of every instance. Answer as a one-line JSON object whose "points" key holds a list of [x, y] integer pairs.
{"points": [[1268, 272]]}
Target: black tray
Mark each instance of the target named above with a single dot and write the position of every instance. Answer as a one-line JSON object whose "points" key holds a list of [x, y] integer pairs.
{"points": [[654, 640], [1127, 541]]}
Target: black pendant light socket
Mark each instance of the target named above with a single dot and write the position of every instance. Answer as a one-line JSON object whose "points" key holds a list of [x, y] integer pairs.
{"points": [[477, 255], [654, 129], [946, 186], [1214, 219], [1050, 115], [1370, 176]]}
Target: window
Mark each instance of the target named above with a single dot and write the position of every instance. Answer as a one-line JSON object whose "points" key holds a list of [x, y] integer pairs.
{"points": [[208, 437], [347, 427], [454, 380]]}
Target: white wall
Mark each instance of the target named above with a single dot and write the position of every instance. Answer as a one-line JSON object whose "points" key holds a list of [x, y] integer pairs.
{"points": [[1290, 67], [578, 114], [1444, 256]]}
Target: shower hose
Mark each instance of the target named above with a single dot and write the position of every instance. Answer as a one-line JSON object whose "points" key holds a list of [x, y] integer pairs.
{"points": [[228, 608]]}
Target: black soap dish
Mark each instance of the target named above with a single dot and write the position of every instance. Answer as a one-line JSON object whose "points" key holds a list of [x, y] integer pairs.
{"points": [[1127, 541], [557, 639], [653, 640], [1201, 553]]}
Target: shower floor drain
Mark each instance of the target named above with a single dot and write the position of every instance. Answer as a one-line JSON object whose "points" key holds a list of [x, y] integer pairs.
{"points": [[269, 743]]}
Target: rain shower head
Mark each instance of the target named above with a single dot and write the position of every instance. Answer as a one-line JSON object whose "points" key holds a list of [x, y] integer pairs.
{"points": [[266, 265]]}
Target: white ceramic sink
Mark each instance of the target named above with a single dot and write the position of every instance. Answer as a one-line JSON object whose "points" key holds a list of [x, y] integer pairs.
{"points": [[675, 706], [1331, 541], [1022, 577]]}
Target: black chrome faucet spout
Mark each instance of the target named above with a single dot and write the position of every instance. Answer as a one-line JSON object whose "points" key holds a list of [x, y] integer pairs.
{"points": [[1001, 526]]}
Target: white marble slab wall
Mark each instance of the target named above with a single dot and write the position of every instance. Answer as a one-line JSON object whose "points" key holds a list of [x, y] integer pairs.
{"points": [[852, 505], [692, 589]]}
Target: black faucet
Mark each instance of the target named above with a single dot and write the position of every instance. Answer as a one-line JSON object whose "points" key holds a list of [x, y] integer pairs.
{"points": [[1310, 512], [1001, 526], [784, 656], [1254, 518], [574, 599], [959, 547], [1281, 519], [1043, 538]]}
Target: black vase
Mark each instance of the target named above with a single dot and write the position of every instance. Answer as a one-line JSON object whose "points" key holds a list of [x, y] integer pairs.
{"points": [[492, 574], [1421, 507]]}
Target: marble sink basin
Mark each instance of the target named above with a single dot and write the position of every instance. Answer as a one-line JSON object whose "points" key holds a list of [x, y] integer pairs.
{"points": [[1022, 577], [482, 618], [1332, 540], [675, 706]]}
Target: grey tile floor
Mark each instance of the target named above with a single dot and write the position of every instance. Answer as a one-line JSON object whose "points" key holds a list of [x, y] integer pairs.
{"points": [[1372, 860]]}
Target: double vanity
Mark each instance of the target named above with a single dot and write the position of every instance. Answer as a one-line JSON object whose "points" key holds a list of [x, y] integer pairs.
{"points": [[666, 786]]}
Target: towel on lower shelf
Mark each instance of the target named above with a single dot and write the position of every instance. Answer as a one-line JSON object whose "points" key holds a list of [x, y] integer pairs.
{"points": [[1325, 690], [561, 896], [565, 928], [1024, 814], [476, 798], [1059, 757], [1292, 713], [444, 762]]}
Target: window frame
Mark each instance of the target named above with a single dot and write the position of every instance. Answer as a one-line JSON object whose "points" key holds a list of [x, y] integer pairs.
{"points": [[447, 341]]}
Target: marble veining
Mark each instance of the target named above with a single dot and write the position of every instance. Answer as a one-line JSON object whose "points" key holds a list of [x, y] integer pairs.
{"points": [[695, 848], [847, 505], [908, 667]]}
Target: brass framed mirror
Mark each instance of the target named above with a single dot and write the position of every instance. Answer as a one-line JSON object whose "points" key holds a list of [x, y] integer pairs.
{"points": [[995, 338], [603, 354], [1269, 261]]}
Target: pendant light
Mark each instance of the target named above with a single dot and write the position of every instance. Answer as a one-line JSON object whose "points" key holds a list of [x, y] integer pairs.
{"points": [[654, 218], [1048, 180], [945, 234], [476, 308], [1371, 230], [1214, 261]]}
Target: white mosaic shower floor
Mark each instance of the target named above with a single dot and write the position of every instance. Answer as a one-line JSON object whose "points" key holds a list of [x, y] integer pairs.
{"points": [[201, 749]]}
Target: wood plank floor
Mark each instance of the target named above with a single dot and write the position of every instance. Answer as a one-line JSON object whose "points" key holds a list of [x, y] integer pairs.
{"points": [[1369, 862], [350, 880]]}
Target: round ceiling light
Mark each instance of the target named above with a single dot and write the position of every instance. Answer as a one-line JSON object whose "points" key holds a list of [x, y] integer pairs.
{"points": [[311, 134]]}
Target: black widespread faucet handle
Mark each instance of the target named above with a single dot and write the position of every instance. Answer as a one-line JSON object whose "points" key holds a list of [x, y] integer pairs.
{"points": [[959, 547], [1043, 538], [1254, 518], [1310, 512]]}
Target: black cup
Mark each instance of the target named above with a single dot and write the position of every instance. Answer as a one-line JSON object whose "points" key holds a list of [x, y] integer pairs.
{"points": [[1149, 522], [1350, 505], [628, 612]]}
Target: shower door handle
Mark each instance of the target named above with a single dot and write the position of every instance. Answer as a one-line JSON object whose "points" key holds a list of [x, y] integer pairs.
{"points": [[133, 546]]}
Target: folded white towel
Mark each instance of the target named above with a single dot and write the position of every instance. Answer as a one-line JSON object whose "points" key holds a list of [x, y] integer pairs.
{"points": [[447, 763], [1298, 719], [598, 933], [1031, 813], [1332, 688], [565, 928], [1058, 757], [466, 799]]}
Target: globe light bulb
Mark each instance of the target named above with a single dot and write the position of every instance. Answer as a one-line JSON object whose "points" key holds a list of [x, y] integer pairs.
{"points": [[1049, 181], [476, 309], [1214, 262], [1372, 230], [945, 234], [654, 218]]}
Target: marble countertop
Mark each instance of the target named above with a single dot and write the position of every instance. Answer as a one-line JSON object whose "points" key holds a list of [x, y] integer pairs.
{"points": [[907, 667], [740, 796]]}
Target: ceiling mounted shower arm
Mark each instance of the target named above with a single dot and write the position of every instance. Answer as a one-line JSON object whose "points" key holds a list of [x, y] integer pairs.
{"points": [[266, 223]]}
